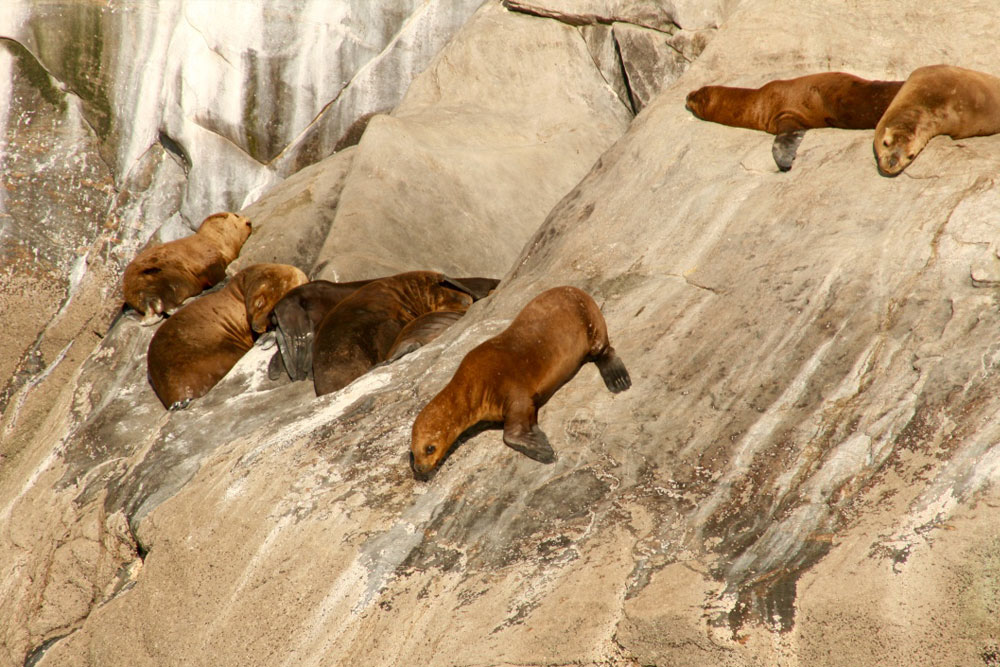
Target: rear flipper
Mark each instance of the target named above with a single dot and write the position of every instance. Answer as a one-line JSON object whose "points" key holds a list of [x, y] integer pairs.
{"points": [[613, 371], [276, 367], [785, 146], [530, 442]]}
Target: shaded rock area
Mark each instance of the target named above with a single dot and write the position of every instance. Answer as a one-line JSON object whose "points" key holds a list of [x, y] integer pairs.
{"points": [[803, 472]]}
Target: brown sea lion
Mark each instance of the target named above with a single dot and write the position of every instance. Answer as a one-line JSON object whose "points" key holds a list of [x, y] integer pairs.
{"points": [[357, 334], [195, 348], [937, 99], [421, 331], [298, 314], [510, 376], [295, 318], [160, 278], [788, 107]]}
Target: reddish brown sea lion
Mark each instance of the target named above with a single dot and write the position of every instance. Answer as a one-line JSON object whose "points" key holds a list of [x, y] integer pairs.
{"points": [[160, 278], [357, 334], [421, 331], [195, 348], [938, 99], [788, 107], [510, 376]]}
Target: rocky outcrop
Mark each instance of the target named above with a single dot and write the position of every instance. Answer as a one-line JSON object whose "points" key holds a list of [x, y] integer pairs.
{"points": [[803, 472]]}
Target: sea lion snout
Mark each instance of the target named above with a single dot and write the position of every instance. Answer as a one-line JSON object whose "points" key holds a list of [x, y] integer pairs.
{"points": [[419, 474]]}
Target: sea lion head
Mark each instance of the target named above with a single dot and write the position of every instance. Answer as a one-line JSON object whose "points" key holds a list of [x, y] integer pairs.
{"points": [[262, 286], [230, 229], [897, 142], [698, 101], [431, 438]]}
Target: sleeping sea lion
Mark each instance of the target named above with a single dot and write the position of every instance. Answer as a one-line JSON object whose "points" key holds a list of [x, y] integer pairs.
{"points": [[160, 278], [937, 99], [510, 376], [357, 334], [787, 108], [195, 348]]}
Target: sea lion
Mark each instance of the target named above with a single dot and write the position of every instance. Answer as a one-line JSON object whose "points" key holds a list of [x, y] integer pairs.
{"points": [[357, 334], [160, 278], [510, 376], [295, 318], [787, 108], [195, 348], [937, 99], [421, 331], [298, 314]]}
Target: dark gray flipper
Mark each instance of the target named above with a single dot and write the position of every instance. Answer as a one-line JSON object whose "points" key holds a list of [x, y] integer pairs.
{"points": [[276, 367], [785, 146], [532, 443], [613, 372]]}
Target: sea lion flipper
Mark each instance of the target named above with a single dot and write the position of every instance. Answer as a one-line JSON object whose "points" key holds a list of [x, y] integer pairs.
{"points": [[275, 367], [532, 442], [785, 146], [613, 372]]}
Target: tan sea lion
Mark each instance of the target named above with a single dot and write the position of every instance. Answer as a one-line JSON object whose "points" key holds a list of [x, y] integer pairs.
{"points": [[357, 334], [937, 99], [160, 278], [195, 348], [421, 331], [510, 376], [788, 107]]}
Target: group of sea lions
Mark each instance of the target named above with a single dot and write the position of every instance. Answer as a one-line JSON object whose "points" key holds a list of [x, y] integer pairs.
{"points": [[933, 100], [336, 332]]}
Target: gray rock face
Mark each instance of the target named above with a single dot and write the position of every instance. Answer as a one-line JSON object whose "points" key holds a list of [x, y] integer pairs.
{"points": [[803, 472]]}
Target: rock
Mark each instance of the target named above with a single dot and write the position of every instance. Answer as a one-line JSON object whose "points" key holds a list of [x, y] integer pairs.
{"points": [[505, 120], [804, 470], [291, 222]]}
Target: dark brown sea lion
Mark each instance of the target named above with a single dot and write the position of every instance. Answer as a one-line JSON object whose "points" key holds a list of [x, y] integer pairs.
{"points": [[357, 334], [788, 107], [298, 314], [160, 278], [938, 99], [195, 348], [421, 331], [510, 376], [295, 318]]}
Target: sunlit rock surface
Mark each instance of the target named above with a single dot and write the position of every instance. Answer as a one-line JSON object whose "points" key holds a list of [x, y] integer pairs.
{"points": [[803, 472]]}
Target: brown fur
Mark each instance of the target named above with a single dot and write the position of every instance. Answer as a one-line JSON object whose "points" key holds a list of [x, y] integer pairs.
{"points": [[938, 99], [297, 316], [359, 331], [421, 331], [827, 99], [510, 376], [787, 108], [160, 278], [195, 348]]}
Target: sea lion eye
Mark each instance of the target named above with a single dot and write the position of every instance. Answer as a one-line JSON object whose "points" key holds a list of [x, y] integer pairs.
{"points": [[430, 450], [885, 142]]}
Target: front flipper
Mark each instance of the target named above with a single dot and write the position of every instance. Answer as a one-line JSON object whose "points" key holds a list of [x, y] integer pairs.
{"points": [[532, 443], [276, 367], [785, 146]]}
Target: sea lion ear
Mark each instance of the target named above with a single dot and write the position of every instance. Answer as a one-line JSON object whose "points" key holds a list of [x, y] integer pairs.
{"points": [[477, 288]]}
